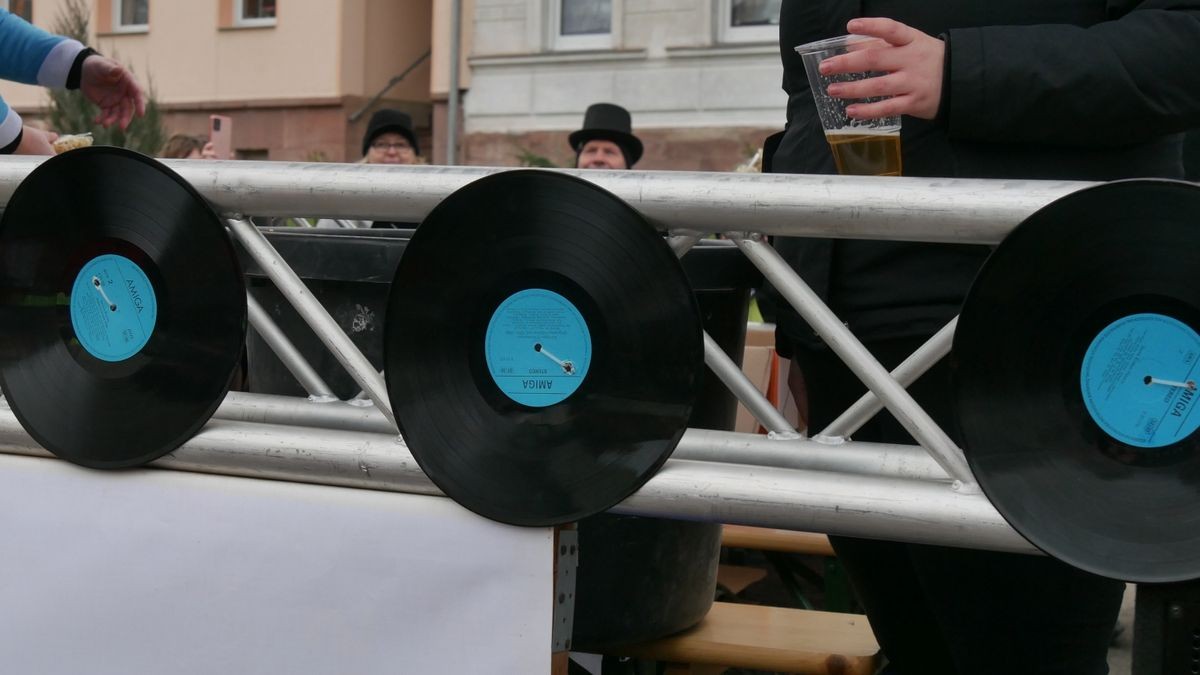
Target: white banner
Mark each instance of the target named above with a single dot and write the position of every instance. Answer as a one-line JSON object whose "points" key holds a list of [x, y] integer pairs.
{"points": [[151, 571]]}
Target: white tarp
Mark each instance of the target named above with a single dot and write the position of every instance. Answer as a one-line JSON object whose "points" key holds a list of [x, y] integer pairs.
{"points": [[151, 571]]}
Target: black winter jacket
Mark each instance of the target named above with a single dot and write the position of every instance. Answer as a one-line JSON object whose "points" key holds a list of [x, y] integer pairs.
{"points": [[1045, 89]]}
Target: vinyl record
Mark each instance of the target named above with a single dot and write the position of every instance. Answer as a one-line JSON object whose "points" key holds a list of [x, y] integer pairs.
{"points": [[543, 348], [1075, 368], [122, 307]]}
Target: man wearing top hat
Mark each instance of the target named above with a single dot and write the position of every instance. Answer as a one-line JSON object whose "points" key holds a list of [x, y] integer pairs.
{"points": [[606, 140]]}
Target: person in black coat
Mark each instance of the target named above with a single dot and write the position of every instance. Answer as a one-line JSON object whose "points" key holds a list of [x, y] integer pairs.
{"points": [[1028, 89]]}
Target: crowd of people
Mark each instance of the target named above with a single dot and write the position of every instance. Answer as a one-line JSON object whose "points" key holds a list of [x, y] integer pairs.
{"points": [[1020, 89]]}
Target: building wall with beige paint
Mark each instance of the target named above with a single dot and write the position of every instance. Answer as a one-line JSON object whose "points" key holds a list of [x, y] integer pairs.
{"points": [[291, 87]]}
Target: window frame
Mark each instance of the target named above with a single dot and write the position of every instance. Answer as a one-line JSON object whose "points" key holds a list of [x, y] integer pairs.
{"points": [[239, 7], [596, 41], [727, 33], [119, 27], [7, 6]]}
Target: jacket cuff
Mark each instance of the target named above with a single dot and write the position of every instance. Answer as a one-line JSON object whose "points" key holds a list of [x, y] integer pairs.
{"points": [[10, 132], [56, 67], [967, 81], [943, 111], [76, 75]]}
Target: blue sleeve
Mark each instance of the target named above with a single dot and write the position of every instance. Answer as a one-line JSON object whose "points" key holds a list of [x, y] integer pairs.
{"points": [[30, 55]]}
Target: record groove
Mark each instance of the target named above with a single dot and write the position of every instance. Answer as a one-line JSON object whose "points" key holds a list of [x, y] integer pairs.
{"points": [[122, 305], [1068, 359], [542, 347]]}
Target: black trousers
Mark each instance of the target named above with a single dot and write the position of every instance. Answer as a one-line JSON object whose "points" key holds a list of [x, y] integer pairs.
{"points": [[942, 610]]}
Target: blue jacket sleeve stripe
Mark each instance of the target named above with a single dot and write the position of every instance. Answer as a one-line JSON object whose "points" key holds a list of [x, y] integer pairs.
{"points": [[23, 49], [57, 66], [10, 127]]}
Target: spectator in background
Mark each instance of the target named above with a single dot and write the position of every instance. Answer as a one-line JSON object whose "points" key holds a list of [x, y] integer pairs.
{"points": [[390, 139], [184, 146], [30, 55], [606, 140]]}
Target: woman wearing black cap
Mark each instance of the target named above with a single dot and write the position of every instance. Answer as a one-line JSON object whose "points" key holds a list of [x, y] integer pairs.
{"points": [[390, 139]]}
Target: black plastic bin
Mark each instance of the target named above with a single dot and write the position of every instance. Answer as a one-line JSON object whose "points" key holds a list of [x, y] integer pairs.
{"points": [[350, 272], [639, 578], [643, 578]]}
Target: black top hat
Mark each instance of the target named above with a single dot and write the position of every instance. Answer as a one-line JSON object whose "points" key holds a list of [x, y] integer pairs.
{"points": [[609, 122], [387, 120]]}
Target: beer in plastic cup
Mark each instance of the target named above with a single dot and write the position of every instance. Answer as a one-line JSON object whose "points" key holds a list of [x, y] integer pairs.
{"points": [[860, 147]]}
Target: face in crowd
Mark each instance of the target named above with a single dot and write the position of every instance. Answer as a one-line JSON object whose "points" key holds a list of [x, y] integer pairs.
{"points": [[601, 154], [391, 148]]}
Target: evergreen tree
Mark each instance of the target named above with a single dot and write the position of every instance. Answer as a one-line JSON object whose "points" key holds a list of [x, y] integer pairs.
{"points": [[71, 113]]}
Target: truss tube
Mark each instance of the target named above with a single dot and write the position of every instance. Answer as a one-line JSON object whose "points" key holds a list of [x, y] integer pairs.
{"points": [[296, 411], [839, 338], [741, 386], [979, 211], [868, 459], [313, 313], [913, 367], [822, 501], [818, 501], [287, 352], [900, 461]]}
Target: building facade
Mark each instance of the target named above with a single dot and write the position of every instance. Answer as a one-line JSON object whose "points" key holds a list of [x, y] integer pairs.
{"points": [[298, 77], [700, 77]]}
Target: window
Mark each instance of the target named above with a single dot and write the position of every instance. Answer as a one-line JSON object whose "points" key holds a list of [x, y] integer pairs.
{"points": [[254, 12], [131, 15], [581, 24], [22, 8], [748, 20]]}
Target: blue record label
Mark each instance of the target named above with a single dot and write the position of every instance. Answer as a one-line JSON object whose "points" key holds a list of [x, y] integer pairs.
{"points": [[113, 308], [1139, 381], [538, 347]]}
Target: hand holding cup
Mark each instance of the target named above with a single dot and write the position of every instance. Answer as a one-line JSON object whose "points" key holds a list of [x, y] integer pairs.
{"points": [[910, 63]]}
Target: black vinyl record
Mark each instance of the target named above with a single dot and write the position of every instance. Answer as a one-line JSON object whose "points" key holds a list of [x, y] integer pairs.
{"points": [[543, 348], [1075, 371], [122, 307]]}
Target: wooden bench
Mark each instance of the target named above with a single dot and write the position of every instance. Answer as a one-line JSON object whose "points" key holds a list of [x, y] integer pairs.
{"points": [[768, 539], [767, 638]]}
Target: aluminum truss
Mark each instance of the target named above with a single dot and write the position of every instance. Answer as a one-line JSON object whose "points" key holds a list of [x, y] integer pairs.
{"points": [[830, 484]]}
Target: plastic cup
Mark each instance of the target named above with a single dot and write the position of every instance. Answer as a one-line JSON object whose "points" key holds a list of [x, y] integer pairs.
{"points": [[860, 147]]}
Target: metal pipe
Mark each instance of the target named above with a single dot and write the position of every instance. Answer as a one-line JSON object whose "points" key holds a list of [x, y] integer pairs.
{"points": [[906, 373], [682, 243], [452, 94], [291, 357], [363, 395], [817, 501], [728, 372], [911, 416], [313, 313], [297, 411], [900, 461], [979, 211], [868, 459], [822, 501]]}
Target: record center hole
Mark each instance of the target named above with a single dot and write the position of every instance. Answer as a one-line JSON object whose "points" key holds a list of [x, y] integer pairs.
{"points": [[537, 347], [1147, 380]]}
